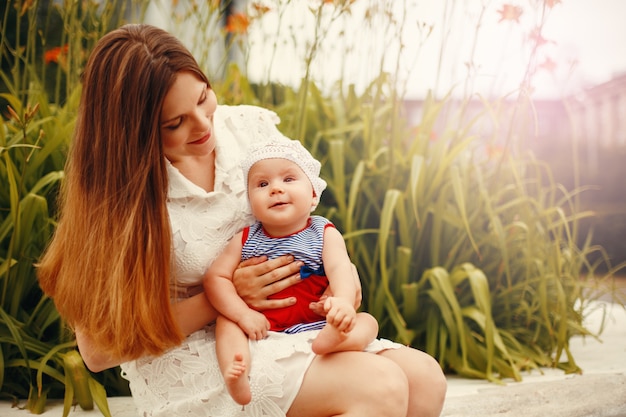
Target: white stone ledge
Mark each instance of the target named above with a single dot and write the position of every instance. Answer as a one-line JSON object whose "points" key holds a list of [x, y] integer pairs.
{"points": [[599, 392]]}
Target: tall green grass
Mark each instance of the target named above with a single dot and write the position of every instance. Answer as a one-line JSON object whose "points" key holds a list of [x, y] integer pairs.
{"points": [[465, 254], [465, 243]]}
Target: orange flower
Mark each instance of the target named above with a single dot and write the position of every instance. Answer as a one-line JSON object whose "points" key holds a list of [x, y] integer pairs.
{"points": [[552, 3], [494, 152], [338, 2], [510, 12], [237, 23], [25, 6], [259, 8], [549, 65], [56, 55], [417, 132], [536, 37]]}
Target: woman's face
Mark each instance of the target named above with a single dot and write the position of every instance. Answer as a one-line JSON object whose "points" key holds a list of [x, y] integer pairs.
{"points": [[187, 119]]}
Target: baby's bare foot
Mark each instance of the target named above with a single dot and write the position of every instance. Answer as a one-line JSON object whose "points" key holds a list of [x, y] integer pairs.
{"points": [[236, 378], [328, 340]]}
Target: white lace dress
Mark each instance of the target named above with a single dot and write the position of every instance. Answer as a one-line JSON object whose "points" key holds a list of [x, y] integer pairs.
{"points": [[186, 380]]}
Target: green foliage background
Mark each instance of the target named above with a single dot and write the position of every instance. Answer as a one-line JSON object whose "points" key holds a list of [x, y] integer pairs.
{"points": [[469, 255]]}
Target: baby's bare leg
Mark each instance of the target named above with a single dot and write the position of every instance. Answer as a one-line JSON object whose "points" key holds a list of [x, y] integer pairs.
{"points": [[233, 356], [331, 340]]}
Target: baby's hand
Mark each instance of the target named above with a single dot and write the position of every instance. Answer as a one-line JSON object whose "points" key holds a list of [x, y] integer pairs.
{"points": [[340, 314], [255, 325]]}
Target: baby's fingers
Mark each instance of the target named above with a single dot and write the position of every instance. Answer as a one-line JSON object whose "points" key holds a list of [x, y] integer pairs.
{"points": [[265, 329], [337, 319], [258, 334], [345, 325]]}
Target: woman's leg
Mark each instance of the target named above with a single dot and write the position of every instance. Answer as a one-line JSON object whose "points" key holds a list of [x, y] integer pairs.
{"points": [[427, 383], [355, 384]]}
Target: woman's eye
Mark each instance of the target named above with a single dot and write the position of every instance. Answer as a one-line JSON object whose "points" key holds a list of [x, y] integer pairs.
{"points": [[204, 96], [174, 125]]}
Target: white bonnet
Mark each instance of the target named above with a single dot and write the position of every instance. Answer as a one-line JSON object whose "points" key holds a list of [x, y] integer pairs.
{"points": [[291, 150]]}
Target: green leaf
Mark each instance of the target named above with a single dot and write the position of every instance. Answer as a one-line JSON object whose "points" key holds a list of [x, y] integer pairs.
{"points": [[75, 368], [100, 397]]}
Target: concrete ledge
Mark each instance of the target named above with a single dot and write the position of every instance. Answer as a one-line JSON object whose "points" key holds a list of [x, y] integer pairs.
{"points": [[119, 406], [599, 395], [599, 392]]}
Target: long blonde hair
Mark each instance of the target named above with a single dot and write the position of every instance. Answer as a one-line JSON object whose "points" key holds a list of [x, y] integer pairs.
{"points": [[108, 265]]}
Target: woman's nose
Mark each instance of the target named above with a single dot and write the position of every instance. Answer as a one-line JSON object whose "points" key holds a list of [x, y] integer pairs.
{"points": [[201, 121]]}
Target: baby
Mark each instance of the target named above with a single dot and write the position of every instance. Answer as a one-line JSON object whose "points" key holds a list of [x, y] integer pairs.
{"points": [[284, 187]]}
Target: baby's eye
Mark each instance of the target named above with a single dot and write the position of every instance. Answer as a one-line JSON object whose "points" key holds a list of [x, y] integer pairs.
{"points": [[262, 184], [289, 179]]}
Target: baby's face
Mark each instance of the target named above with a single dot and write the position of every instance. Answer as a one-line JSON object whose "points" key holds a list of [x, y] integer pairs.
{"points": [[281, 195]]}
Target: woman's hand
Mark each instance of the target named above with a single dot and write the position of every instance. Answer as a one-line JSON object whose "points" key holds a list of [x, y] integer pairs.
{"points": [[257, 278], [191, 314]]}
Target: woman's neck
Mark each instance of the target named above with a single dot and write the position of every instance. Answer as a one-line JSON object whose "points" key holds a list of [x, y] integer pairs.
{"points": [[199, 170]]}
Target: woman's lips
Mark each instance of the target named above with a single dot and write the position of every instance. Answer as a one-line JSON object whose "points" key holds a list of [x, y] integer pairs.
{"points": [[202, 140]]}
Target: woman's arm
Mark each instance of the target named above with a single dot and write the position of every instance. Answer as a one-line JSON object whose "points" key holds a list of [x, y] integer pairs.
{"points": [[255, 280], [95, 360], [191, 314]]}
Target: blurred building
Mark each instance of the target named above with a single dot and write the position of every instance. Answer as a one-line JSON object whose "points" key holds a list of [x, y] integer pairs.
{"points": [[599, 113], [581, 138], [593, 121]]}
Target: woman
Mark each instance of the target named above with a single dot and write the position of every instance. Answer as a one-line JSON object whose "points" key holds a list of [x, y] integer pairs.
{"points": [[153, 192]]}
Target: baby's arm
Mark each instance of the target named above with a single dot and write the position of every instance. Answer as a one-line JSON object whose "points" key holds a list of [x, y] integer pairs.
{"points": [[340, 310], [220, 291]]}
